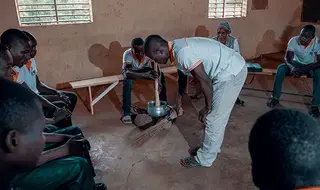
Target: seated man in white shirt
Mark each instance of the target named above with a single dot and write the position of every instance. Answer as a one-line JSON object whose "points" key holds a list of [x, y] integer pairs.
{"points": [[136, 66], [221, 73], [28, 75], [302, 58]]}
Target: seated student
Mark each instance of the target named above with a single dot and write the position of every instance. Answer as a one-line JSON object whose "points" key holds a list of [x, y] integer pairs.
{"points": [[20, 48], [137, 66], [32, 80], [284, 146], [21, 125], [302, 58], [46, 175]]}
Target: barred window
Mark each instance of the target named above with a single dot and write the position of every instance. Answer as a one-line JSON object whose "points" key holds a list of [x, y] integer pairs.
{"points": [[53, 12], [227, 8]]}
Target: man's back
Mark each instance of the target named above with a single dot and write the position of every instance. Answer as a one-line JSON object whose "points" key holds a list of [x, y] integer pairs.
{"points": [[218, 59]]}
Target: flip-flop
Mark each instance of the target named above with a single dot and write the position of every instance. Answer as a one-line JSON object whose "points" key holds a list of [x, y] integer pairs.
{"points": [[193, 151], [126, 120], [190, 162]]}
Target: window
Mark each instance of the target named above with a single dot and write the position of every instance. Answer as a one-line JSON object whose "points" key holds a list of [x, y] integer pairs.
{"points": [[53, 12], [227, 8]]}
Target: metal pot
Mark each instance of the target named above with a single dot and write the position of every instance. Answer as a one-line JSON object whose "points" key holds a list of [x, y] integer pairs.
{"points": [[157, 111]]}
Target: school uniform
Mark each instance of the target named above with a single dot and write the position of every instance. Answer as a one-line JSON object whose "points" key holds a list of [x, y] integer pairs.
{"points": [[130, 60], [302, 56], [232, 42], [28, 74], [227, 70]]}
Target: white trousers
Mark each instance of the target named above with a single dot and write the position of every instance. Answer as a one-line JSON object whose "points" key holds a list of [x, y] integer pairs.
{"points": [[224, 97]]}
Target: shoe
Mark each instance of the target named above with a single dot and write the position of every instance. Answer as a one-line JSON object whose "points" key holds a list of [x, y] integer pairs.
{"points": [[126, 119], [272, 102], [100, 186], [240, 102], [314, 112]]}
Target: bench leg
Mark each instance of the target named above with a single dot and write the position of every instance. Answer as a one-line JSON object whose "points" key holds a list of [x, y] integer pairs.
{"points": [[90, 100], [105, 92]]}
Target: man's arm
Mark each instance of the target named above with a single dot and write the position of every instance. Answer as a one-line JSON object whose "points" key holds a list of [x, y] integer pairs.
{"points": [[205, 83], [311, 67], [44, 89], [289, 59], [136, 75], [44, 102]]}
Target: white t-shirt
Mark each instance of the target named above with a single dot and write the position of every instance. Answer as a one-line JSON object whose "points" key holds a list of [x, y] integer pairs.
{"points": [[304, 55], [27, 74], [219, 61], [129, 58]]}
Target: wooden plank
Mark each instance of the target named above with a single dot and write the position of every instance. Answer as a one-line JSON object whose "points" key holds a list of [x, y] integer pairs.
{"points": [[110, 79], [96, 81], [90, 98]]}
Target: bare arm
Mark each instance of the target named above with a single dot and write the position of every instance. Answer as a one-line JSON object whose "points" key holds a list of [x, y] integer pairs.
{"points": [[136, 75], [205, 83], [310, 67], [289, 59], [44, 102], [44, 89]]}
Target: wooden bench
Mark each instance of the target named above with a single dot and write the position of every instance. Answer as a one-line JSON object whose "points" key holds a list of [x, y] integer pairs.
{"points": [[114, 81]]}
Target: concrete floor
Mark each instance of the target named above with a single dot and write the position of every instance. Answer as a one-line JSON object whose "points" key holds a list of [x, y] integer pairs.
{"points": [[155, 165]]}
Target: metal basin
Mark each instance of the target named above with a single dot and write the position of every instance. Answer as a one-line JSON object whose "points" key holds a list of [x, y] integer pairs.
{"points": [[157, 111]]}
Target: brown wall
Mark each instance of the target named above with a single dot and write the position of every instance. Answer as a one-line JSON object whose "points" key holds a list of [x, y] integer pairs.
{"points": [[72, 52]]}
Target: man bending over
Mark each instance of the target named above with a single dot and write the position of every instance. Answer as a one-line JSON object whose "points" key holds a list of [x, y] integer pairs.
{"points": [[302, 58], [221, 73], [136, 66], [284, 147]]}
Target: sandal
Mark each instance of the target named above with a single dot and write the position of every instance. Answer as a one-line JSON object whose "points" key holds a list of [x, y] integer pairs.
{"points": [[126, 119], [240, 102], [190, 162], [193, 151]]}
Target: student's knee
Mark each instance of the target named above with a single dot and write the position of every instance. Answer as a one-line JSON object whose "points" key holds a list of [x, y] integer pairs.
{"points": [[72, 97], [78, 164], [282, 69]]}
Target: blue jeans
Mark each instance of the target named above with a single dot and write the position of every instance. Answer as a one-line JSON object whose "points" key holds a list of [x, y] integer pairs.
{"points": [[126, 94]]}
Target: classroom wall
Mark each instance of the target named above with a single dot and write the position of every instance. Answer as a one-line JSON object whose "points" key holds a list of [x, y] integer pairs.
{"points": [[72, 52]]}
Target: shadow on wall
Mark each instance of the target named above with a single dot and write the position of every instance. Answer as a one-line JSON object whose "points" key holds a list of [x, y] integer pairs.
{"points": [[201, 31], [292, 29], [267, 44], [109, 60]]}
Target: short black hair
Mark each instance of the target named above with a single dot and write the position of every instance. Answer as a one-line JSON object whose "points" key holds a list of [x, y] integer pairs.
{"points": [[150, 40], [3, 50], [310, 28], [18, 107], [11, 35], [31, 37], [137, 42], [284, 146]]}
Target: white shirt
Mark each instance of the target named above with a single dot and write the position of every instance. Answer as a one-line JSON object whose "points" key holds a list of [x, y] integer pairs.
{"points": [[219, 61], [236, 46], [27, 74], [304, 55], [129, 58]]}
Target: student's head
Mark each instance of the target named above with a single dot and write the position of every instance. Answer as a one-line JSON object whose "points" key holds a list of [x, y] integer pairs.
{"points": [[18, 44], [307, 33], [6, 63], [34, 44], [157, 49], [223, 31], [137, 46], [284, 146], [21, 125]]}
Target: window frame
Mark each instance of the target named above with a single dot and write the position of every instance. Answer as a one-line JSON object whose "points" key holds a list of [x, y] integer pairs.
{"points": [[213, 11], [57, 22]]}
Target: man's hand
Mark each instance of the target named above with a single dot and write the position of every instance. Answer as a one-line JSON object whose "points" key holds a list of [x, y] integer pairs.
{"points": [[64, 97], [152, 74], [61, 114], [296, 72], [204, 112]]}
